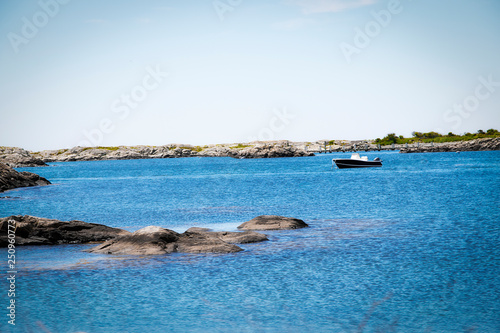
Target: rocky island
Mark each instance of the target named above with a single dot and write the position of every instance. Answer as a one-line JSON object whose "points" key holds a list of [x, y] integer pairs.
{"points": [[152, 240], [170, 151], [472, 145], [272, 222], [19, 158], [157, 240]]}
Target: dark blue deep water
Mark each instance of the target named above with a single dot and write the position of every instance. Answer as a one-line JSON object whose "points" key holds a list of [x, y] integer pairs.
{"points": [[413, 246]]}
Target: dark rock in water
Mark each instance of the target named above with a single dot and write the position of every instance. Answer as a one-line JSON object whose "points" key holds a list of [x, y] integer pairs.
{"points": [[204, 243], [146, 241], [19, 158], [156, 240], [272, 222], [32, 230], [244, 237], [10, 178], [240, 237], [151, 240]]}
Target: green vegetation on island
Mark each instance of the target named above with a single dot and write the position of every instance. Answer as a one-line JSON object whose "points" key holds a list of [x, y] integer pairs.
{"points": [[239, 146], [436, 137], [98, 147]]}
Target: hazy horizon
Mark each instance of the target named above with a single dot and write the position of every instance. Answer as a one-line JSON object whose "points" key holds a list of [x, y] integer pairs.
{"points": [[221, 143], [227, 71]]}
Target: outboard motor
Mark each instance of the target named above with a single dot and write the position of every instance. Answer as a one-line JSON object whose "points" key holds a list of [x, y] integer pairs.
{"points": [[376, 159]]}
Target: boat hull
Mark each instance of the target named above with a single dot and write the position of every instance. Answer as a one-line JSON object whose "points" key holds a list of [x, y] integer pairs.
{"points": [[351, 163]]}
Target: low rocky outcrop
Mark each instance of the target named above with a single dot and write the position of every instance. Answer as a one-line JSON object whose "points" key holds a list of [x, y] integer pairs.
{"points": [[147, 241], [114, 153], [152, 240], [156, 240], [472, 145], [272, 222], [19, 158], [194, 242], [244, 237], [255, 150], [10, 178], [271, 151], [32, 230]]}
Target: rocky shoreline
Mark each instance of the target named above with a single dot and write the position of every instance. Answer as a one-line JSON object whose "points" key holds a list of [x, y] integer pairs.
{"points": [[485, 144], [18, 157], [10, 178], [150, 240]]}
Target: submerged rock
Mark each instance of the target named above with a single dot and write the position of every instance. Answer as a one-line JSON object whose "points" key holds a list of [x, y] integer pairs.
{"points": [[10, 178], [32, 230], [272, 222], [156, 240]]}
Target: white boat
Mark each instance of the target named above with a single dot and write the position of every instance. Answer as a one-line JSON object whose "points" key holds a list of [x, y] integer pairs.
{"points": [[356, 161]]}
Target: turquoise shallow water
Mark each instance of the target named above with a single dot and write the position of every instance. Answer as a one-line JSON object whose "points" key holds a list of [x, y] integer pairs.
{"points": [[409, 247]]}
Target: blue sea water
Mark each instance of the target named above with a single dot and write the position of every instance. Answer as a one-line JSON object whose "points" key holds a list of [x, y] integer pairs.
{"points": [[413, 246]]}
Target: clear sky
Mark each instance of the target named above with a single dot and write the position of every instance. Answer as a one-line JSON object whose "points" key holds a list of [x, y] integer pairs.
{"points": [[154, 72]]}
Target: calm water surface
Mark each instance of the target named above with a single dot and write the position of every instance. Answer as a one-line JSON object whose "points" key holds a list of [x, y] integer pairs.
{"points": [[409, 247]]}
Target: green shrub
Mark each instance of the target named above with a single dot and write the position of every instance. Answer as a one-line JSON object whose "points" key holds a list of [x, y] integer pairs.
{"points": [[428, 137]]}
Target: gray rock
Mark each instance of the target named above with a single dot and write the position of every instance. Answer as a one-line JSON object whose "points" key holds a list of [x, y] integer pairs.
{"points": [[10, 178], [32, 230], [244, 237], [271, 151], [204, 243], [241, 237], [19, 158], [272, 222], [156, 240], [147, 241]]}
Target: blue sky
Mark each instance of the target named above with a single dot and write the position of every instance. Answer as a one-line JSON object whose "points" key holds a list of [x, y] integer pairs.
{"points": [[199, 72]]}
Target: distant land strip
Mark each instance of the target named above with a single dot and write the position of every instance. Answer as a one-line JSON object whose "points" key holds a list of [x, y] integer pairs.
{"points": [[19, 157]]}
